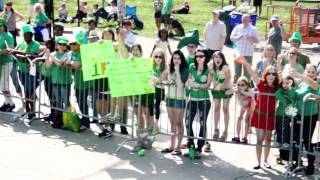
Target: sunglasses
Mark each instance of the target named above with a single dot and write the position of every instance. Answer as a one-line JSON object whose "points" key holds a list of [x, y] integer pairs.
{"points": [[273, 74], [62, 44], [241, 85], [160, 57], [270, 49], [199, 56]]}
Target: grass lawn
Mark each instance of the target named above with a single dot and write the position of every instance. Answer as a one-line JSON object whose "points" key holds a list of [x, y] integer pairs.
{"points": [[200, 13]]}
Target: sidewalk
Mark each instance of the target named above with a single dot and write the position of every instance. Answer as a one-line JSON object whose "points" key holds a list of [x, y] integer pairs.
{"points": [[40, 152]]}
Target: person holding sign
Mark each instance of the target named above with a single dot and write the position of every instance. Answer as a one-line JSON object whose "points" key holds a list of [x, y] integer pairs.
{"points": [[27, 49], [60, 77], [6, 42], [82, 88], [102, 96]]}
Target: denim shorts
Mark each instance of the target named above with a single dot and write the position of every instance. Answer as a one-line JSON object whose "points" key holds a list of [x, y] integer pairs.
{"points": [[176, 103]]}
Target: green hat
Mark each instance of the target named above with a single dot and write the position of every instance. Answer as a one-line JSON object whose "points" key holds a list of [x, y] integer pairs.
{"points": [[58, 25], [2, 22], [61, 40], [78, 36], [295, 36], [191, 37], [27, 28]]}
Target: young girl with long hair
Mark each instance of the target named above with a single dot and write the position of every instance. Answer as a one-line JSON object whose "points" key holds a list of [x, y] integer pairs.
{"points": [[263, 118], [245, 98], [175, 100], [199, 81], [162, 43], [220, 71]]}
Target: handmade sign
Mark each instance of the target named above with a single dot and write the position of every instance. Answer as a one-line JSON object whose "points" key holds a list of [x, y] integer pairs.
{"points": [[130, 77], [94, 59]]}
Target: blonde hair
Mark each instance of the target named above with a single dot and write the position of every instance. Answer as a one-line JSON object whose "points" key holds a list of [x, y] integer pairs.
{"points": [[265, 49], [36, 5]]}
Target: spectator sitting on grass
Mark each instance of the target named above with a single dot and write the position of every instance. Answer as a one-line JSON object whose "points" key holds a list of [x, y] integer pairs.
{"points": [[108, 13], [184, 9]]}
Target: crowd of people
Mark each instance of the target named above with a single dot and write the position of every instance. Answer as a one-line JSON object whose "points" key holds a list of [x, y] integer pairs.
{"points": [[190, 84]]}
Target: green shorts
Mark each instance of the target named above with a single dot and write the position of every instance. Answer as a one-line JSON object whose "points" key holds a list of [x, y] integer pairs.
{"points": [[220, 94]]}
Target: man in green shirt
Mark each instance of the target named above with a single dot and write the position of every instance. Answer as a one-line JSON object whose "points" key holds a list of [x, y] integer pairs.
{"points": [[6, 42], [295, 41]]}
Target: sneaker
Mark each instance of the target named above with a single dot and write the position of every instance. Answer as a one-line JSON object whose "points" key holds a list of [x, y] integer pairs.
{"points": [[207, 147], [83, 128], [10, 107], [4, 107], [198, 155], [105, 133], [123, 130]]}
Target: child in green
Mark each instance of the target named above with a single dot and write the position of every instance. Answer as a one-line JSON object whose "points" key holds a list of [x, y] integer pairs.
{"points": [[222, 82], [6, 41], [31, 48], [82, 88], [60, 73], [286, 98]]}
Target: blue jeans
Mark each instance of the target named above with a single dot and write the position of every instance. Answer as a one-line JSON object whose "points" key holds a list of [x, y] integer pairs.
{"points": [[192, 107], [61, 94], [82, 96]]}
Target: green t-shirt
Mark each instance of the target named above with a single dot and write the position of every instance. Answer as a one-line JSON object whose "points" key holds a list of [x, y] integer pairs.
{"points": [[78, 75], [167, 5], [41, 19], [302, 59], [33, 48], [46, 72], [199, 94], [60, 74], [310, 107], [285, 97], [5, 37], [32, 2]]}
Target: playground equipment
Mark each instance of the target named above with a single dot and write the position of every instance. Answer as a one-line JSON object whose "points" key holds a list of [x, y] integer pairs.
{"points": [[305, 20]]}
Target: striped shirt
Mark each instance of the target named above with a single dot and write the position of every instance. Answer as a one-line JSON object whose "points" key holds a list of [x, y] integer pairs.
{"points": [[245, 47]]}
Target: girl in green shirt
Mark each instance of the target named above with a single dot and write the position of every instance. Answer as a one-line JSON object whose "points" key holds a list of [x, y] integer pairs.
{"points": [[220, 71], [40, 22], [199, 81], [286, 97], [60, 73], [307, 111]]}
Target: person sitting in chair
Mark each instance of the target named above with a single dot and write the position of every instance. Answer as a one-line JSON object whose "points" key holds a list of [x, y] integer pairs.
{"points": [[108, 13]]}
